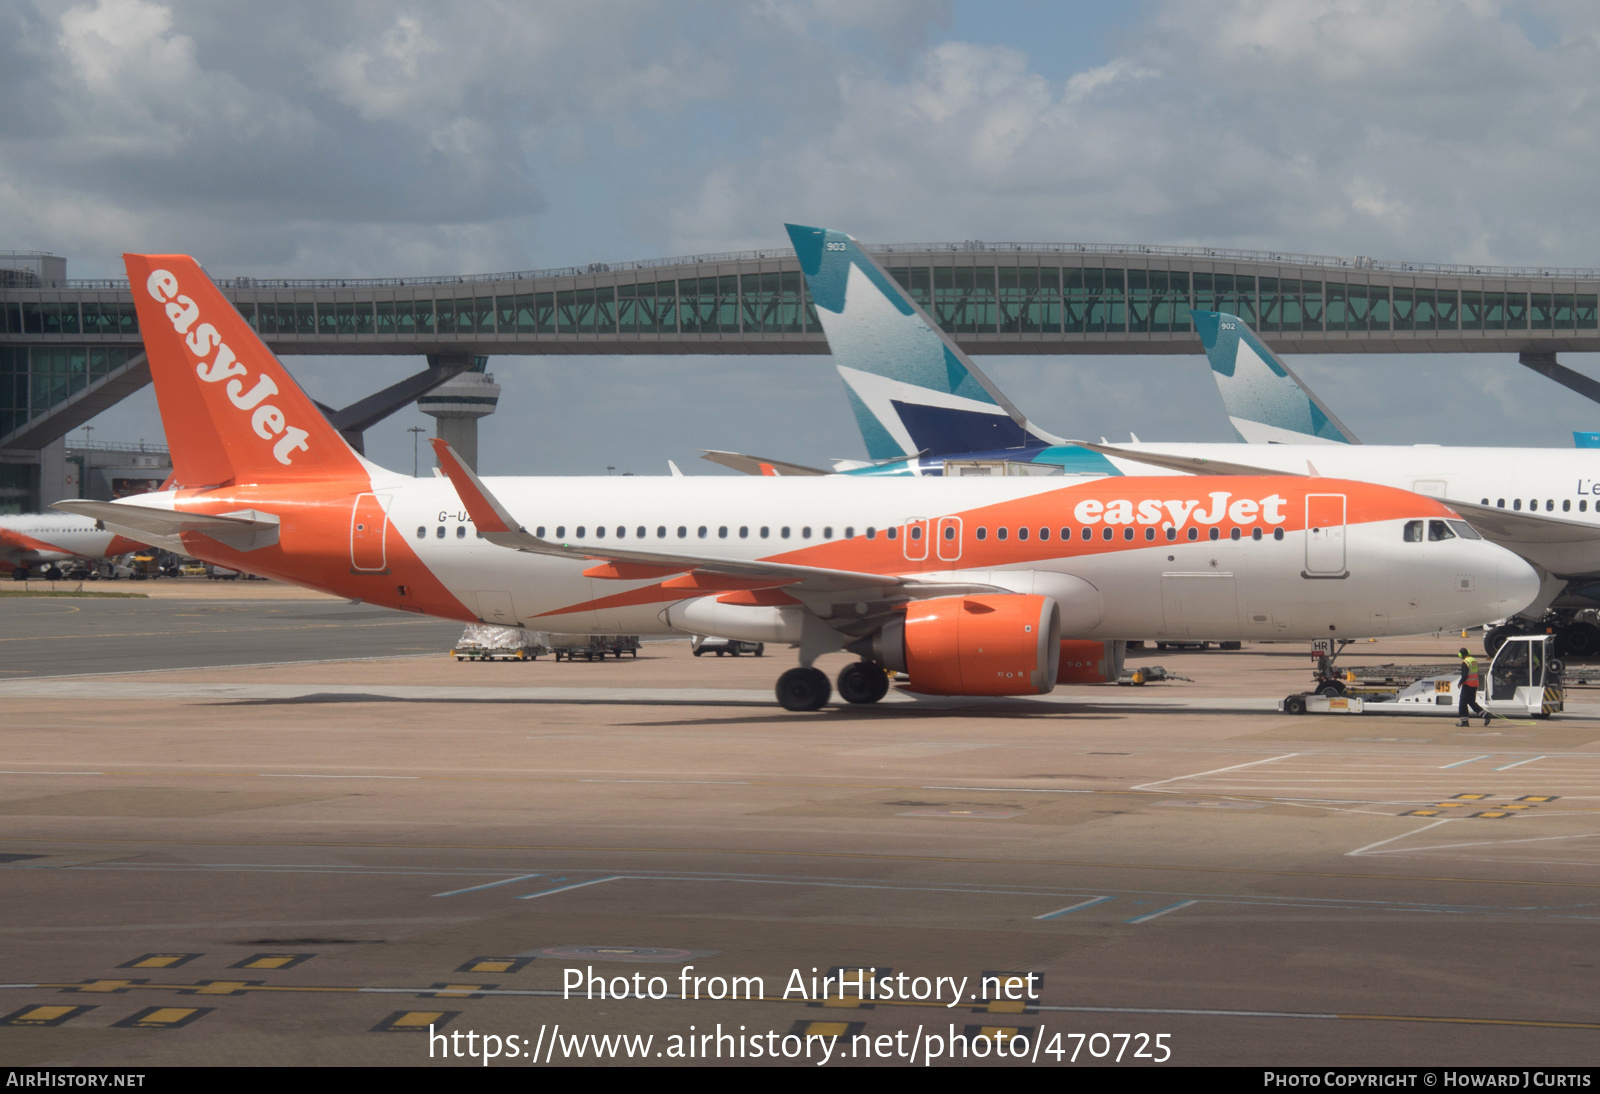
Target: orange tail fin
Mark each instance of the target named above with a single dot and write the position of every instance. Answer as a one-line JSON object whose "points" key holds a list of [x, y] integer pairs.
{"points": [[232, 411]]}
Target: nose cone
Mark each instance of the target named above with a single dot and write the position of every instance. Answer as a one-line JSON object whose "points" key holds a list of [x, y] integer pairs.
{"points": [[1516, 581]]}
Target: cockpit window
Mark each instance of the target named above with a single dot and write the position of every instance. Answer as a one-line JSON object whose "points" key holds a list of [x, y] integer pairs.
{"points": [[1413, 531], [1437, 530], [1463, 529]]}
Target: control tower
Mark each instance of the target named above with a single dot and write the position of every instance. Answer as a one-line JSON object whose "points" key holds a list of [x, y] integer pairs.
{"points": [[458, 403]]}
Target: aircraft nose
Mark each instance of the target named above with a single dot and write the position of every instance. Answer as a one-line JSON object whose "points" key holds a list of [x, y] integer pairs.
{"points": [[1516, 581]]}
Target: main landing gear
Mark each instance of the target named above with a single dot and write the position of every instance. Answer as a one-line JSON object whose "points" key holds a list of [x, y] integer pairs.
{"points": [[808, 689]]}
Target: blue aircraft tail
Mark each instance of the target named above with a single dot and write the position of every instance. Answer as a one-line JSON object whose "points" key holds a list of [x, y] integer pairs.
{"points": [[912, 389], [1266, 402]]}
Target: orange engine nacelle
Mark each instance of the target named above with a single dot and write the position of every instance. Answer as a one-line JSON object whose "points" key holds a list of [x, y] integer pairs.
{"points": [[1085, 662], [1001, 644]]}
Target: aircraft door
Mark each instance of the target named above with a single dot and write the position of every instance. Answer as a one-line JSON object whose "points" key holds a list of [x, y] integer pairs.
{"points": [[914, 539], [369, 525], [948, 542], [1325, 553]]}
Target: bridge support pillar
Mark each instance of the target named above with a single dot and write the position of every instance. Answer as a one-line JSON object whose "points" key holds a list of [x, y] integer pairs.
{"points": [[458, 404]]}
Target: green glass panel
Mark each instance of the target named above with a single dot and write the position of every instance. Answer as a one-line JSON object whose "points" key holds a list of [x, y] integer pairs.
{"points": [[1516, 311], [346, 316], [77, 369], [32, 318], [98, 365], [387, 321], [1585, 308], [1565, 311], [1494, 311], [364, 320], [544, 313], [1471, 310], [524, 312], [69, 317], [1378, 308], [266, 318], [247, 312], [505, 313], [1030, 299], [572, 306], [811, 320], [728, 304], [1311, 314], [445, 315], [1139, 301], [305, 319], [917, 281], [1541, 311], [964, 299], [1446, 308], [483, 306]]}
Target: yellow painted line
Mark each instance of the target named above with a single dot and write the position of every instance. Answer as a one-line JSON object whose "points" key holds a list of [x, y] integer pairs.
{"points": [[842, 855]]}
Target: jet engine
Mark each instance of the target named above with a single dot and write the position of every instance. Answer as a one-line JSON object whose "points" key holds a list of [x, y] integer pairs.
{"points": [[997, 644], [1086, 662]]}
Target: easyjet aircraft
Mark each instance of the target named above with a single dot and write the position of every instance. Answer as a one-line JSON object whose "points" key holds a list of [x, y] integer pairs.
{"points": [[45, 540], [969, 586]]}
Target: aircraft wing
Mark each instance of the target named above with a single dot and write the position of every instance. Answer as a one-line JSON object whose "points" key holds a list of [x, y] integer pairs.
{"points": [[245, 530], [499, 527], [1194, 465], [1510, 528], [760, 465]]}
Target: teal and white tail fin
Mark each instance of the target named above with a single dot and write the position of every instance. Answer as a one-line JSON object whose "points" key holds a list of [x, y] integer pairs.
{"points": [[912, 389], [1266, 402]]}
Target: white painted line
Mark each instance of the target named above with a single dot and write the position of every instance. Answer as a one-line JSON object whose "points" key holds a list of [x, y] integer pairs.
{"points": [[1161, 911], [269, 775], [1519, 763], [1218, 771], [1009, 789], [565, 888], [1459, 763], [673, 782], [1090, 903], [52, 772], [1391, 839], [491, 885]]}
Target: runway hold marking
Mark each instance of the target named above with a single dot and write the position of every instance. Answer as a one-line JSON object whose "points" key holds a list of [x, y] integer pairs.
{"points": [[1470, 797], [272, 961], [492, 885], [567, 888], [160, 961], [495, 964], [1539, 798], [222, 987], [1463, 763], [43, 1016], [1078, 907], [163, 1017], [1161, 911], [415, 1021], [107, 987]]}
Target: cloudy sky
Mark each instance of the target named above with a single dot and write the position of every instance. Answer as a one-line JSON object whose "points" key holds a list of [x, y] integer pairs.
{"points": [[390, 139]]}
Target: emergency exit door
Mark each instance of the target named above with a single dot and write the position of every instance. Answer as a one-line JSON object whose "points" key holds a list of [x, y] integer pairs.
{"points": [[1325, 549], [368, 530]]}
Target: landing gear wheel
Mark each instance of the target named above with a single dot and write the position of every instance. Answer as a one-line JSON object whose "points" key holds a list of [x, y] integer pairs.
{"points": [[1581, 640], [862, 682], [761, 647], [1330, 689], [52, 573], [803, 689], [1496, 638]]}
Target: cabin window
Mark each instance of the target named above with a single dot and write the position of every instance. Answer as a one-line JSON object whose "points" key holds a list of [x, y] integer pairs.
{"points": [[1255, 533], [1501, 504], [949, 531], [1088, 533], [849, 532], [1583, 506], [561, 531], [1127, 533], [1149, 534], [641, 530], [983, 533], [783, 532], [1550, 505], [827, 533], [1105, 533], [1022, 533], [1233, 533], [1566, 505], [622, 533], [1066, 533], [1439, 530], [581, 530], [891, 532], [1172, 533], [1001, 533], [1277, 533], [744, 532], [1516, 503], [422, 532], [661, 531], [872, 533], [1194, 533], [702, 531], [765, 531], [1213, 534], [599, 531], [683, 532], [440, 533], [722, 532], [461, 531], [1044, 533], [805, 533]]}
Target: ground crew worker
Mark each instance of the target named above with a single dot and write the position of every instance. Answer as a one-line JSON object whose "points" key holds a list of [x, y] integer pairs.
{"points": [[1469, 687]]}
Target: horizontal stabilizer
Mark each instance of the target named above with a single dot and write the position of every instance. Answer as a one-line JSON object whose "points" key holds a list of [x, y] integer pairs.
{"points": [[245, 530], [760, 465]]}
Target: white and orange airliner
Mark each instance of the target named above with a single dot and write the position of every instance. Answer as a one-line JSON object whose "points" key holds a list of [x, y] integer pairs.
{"points": [[43, 541], [970, 586]]}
